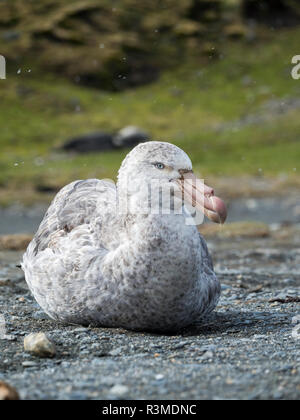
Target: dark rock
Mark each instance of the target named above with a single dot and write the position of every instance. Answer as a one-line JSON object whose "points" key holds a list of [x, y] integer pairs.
{"points": [[97, 141], [100, 141], [43, 188]]}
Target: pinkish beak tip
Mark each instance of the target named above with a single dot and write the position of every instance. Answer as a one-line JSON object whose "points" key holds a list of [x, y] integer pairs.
{"points": [[219, 208], [202, 197]]}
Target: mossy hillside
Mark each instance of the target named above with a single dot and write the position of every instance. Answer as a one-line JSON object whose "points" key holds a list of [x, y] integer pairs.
{"points": [[192, 106], [97, 40]]}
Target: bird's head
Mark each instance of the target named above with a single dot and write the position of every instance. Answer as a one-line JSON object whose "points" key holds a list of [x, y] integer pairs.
{"points": [[165, 165]]}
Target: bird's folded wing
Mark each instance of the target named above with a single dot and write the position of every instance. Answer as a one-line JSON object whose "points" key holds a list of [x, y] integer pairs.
{"points": [[76, 204]]}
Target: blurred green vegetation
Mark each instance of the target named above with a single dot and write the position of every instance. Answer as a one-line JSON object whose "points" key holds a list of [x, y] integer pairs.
{"points": [[202, 102], [195, 106], [97, 40]]}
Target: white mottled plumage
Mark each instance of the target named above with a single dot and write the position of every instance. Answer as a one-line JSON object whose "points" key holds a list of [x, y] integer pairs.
{"points": [[89, 264]]}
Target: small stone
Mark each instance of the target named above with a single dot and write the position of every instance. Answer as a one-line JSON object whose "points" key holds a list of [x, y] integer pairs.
{"points": [[119, 390], [277, 395], [40, 315], [39, 345], [179, 345], [116, 352], [207, 355], [29, 364], [8, 393], [80, 330]]}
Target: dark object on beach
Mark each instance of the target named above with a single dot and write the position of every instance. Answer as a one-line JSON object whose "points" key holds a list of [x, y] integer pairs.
{"points": [[89, 143], [100, 141]]}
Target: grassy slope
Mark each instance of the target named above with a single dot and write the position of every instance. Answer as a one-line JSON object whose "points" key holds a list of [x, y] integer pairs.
{"points": [[37, 113]]}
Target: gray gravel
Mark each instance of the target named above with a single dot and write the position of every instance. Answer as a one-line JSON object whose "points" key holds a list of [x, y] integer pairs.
{"points": [[245, 350]]}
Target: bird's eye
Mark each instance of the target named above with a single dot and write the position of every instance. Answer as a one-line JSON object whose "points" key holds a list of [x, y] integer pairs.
{"points": [[159, 165]]}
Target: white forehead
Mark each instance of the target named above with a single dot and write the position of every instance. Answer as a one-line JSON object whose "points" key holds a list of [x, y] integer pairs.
{"points": [[157, 151]]}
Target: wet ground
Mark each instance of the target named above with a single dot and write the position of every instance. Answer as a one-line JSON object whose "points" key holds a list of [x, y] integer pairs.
{"points": [[17, 219], [248, 349]]}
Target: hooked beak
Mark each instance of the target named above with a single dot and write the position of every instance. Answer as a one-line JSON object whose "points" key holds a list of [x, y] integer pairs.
{"points": [[202, 197]]}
